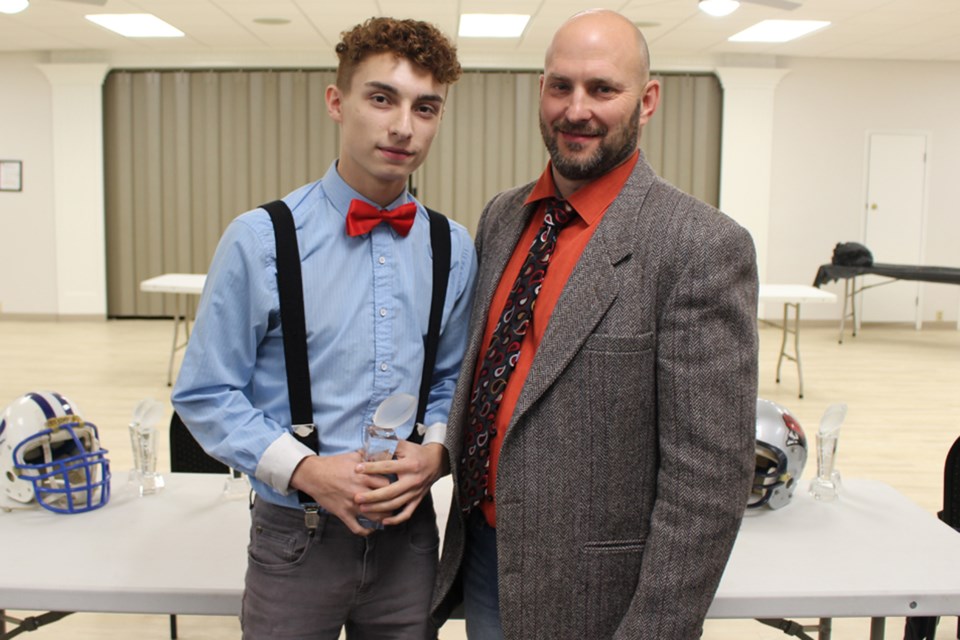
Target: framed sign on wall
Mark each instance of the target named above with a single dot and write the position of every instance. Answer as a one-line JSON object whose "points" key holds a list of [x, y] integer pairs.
{"points": [[11, 175]]}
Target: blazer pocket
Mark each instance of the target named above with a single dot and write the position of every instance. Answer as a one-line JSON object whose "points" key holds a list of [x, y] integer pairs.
{"points": [[605, 343], [609, 570], [613, 546]]}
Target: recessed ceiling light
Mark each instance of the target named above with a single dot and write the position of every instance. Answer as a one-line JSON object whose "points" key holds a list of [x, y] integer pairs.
{"points": [[136, 25], [13, 6], [492, 25], [272, 21], [778, 30], [718, 8]]}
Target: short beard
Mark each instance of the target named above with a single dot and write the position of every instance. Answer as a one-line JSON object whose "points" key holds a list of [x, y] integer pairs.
{"points": [[608, 155]]}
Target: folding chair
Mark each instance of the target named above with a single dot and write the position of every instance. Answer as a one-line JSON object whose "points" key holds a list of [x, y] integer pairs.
{"points": [[187, 456]]}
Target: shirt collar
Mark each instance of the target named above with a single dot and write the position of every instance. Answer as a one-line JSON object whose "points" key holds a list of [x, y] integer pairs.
{"points": [[593, 198], [339, 193]]}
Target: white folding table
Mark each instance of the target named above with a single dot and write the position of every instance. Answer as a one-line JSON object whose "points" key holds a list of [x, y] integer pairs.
{"points": [[181, 285], [792, 296], [873, 553]]}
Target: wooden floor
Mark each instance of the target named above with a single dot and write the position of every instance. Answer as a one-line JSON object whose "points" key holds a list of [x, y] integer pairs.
{"points": [[901, 386]]}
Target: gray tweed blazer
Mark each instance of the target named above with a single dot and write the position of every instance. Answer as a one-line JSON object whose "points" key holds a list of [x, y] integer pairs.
{"points": [[626, 466]]}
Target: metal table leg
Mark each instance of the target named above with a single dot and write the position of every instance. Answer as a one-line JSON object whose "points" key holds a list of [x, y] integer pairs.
{"points": [[185, 319], [825, 629], [795, 330], [843, 314]]}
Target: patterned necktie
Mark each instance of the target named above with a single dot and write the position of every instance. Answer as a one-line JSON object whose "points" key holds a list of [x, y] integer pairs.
{"points": [[362, 217], [502, 355]]}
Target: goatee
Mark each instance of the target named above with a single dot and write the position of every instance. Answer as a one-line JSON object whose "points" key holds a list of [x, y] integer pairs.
{"points": [[608, 155]]}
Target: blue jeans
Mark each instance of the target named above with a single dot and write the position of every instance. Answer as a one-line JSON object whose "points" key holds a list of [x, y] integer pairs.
{"points": [[481, 603]]}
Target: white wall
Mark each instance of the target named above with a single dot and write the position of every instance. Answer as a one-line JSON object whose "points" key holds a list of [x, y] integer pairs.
{"points": [[28, 261], [823, 110]]}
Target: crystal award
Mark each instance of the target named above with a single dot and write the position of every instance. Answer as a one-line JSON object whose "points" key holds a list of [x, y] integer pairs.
{"points": [[826, 486]]}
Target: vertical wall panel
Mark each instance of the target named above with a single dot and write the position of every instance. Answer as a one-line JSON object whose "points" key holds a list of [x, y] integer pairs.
{"points": [[708, 118], [255, 176], [118, 192], [504, 164], [149, 227], [323, 141], [531, 155], [212, 159], [682, 140], [231, 147], [168, 170], [187, 151], [180, 189], [489, 141], [269, 161], [651, 138]]}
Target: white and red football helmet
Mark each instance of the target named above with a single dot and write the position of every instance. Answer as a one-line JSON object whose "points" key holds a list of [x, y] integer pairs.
{"points": [[781, 454]]}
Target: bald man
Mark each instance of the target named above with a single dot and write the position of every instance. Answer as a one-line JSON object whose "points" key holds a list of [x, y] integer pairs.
{"points": [[602, 431]]}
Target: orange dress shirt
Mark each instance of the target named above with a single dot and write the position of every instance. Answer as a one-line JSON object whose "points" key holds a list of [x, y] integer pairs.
{"points": [[590, 202]]}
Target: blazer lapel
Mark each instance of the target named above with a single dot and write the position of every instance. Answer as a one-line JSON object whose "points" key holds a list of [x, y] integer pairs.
{"points": [[590, 290], [498, 240], [498, 243]]}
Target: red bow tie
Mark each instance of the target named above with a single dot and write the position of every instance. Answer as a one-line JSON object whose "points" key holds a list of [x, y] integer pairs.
{"points": [[363, 216]]}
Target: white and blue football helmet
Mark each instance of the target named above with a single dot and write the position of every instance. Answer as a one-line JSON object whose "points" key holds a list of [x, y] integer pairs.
{"points": [[781, 455], [51, 457]]}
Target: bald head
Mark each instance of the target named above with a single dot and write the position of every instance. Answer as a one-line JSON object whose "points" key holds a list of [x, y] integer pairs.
{"points": [[602, 34], [596, 96]]}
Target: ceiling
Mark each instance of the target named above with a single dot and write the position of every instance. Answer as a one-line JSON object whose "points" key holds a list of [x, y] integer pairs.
{"points": [[224, 31]]}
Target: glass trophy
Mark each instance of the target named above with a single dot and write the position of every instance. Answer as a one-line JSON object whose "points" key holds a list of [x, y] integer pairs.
{"points": [[237, 487], [380, 438], [143, 441], [826, 486]]}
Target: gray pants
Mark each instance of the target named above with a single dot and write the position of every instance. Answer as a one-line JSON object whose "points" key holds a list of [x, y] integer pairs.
{"points": [[303, 587]]}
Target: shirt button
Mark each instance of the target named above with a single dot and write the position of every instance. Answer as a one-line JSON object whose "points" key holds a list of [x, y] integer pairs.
{"points": [[382, 260], [383, 313], [383, 366]]}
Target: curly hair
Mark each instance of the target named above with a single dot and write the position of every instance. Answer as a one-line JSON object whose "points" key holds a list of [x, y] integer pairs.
{"points": [[419, 42]]}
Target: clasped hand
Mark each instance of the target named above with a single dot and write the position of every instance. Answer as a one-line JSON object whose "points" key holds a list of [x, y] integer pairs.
{"points": [[416, 468], [346, 487]]}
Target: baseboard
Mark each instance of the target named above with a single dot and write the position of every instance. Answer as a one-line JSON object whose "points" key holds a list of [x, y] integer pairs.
{"points": [[51, 317]]}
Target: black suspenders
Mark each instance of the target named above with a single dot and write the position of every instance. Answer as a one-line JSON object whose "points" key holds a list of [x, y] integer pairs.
{"points": [[290, 285]]}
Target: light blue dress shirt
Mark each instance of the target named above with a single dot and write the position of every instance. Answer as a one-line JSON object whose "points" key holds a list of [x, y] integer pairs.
{"points": [[367, 305]]}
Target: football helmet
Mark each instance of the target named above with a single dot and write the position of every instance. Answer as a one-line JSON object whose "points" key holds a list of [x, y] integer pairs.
{"points": [[51, 457], [781, 454]]}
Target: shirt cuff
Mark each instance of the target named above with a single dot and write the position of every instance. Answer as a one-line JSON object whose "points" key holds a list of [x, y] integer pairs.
{"points": [[435, 433], [279, 461]]}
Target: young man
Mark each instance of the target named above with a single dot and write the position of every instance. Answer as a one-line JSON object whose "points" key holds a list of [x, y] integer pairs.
{"points": [[367, 293], [602, 439]]}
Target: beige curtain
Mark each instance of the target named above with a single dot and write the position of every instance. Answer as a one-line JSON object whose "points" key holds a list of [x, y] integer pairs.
{"points": [[187, 151]]}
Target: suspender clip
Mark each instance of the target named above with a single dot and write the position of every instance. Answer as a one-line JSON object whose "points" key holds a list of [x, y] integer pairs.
{"points": [[311, 517], [304, 430]]}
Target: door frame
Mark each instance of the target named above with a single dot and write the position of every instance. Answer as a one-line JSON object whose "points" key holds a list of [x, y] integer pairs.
{"points": [[865, 191]]}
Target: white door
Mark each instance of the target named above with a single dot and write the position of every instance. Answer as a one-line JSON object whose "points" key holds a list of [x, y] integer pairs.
{"points": [[893, 224]]}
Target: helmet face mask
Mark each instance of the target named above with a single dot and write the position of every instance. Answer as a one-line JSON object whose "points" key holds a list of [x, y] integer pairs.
{"points": [[51, 457], [781, 454]]}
